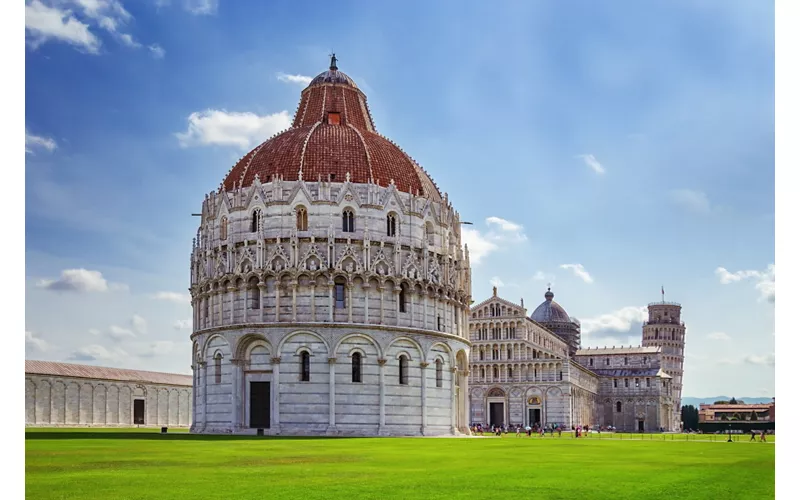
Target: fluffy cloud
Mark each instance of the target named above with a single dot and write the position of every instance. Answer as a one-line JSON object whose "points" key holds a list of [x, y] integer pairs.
{"points": [[201, 7], [180, 298], [80, 280], [579, 271], [219, 127], [139, 324], [496, 281], [43, 23], [120, 333], [765, 360], [765, 280], [157, 348], [621, 320], [300, 79], [96, 352], [592, 163], [719, 336], [156, 50], [36, 142], [36, 343], [182, 324], [693, 201], [499, 232]]}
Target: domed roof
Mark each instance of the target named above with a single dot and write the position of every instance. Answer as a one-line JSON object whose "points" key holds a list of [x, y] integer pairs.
{"points": [[332, 136], [550, 311]]}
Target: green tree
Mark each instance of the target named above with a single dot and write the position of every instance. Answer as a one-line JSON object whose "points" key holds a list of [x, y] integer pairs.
{"points": [[690, 417], [753, 416]]}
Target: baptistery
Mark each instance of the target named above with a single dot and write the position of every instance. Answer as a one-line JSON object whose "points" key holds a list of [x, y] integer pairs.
{"points": [[330, 289]]}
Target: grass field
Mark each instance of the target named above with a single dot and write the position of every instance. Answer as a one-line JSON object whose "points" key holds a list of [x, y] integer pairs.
{"points": [[142, 464]]}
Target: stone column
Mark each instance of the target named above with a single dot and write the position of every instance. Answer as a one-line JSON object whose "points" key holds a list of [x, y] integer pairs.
{"points": [[277, 299], [464, 402], [294, 301], [331, 395], [275, 391], [232, 291], [411, 293], [425, 310], [396, 291], [456, 314], [366, 302], [236, 395], [453, 399], [382, 397], [380, 290], [203, 384], [313, 288], [424, 375], [349, 302], [330, 301], [262, 299]]}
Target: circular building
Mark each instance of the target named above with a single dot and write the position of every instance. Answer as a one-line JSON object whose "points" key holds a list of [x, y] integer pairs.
{"points": [[552, 316], [329, 285]]}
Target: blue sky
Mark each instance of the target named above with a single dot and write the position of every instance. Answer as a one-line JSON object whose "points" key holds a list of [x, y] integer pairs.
{"points": [[608, 148]]}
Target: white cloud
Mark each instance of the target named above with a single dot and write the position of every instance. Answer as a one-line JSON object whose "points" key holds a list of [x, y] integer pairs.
{"points": [[693, 201], [765, 280], [214, 126], [139, 324], [36, 343], [719, 336], [180, 298], [96, 352], [765, 360], [496, 281], [43, 23], [156, 50], [35, 141], [579, 271], [157, 348], [94, 331], [120, 333], [301, 79], [182, 324], [592, 163], [501, 231], [621, 320], [201, 7], [80, 280]]}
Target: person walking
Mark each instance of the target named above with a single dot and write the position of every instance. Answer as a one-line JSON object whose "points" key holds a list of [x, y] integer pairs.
{"points": [[519, 429], [752, 435], [763, 436]]}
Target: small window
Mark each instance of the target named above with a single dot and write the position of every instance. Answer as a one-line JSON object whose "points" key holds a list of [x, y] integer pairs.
{"points": [[496, 373], [302, 219], [439, 322], [401, 299], [429, 235], [356, 361], [255, 219], [438, 373], [403, 370], [391, 225], [626, 360], [510, 353], [218, 368], [348, 221], [560, 375], [481, 355], [254, 295], [483, 373], [223, 228], [619, 407], [608, 361], [333, 118], [626, 383], [305, 366], [647, 382], [510, 372], [615, 383], [339, 295], [636, 383], [591, 362]]}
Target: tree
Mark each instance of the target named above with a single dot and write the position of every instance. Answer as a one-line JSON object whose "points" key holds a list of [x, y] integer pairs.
{"points": [[753, 416], [690, 417]]}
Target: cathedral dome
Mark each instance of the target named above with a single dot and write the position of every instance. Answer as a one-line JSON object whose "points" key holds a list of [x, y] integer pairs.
{"points": [[332, 139], [550, 311]]}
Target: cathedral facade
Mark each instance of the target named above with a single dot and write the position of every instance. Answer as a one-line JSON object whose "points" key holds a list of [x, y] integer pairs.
{"points": [[329, 285], [531, 371]]}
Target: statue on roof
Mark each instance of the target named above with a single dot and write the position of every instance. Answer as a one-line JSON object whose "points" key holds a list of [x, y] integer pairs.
{"points": [[333, 61]]}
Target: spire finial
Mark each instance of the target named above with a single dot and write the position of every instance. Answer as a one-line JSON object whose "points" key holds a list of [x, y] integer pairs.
{"points": [[333, 61]]}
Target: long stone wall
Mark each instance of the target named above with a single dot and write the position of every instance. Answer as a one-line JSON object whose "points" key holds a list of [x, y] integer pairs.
{"points": [[52, 401]]}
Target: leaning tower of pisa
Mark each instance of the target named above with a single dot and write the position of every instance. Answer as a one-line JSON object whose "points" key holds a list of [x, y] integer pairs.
{"points": [[665, 329]]}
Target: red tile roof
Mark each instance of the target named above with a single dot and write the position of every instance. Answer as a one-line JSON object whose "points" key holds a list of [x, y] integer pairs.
{"points": [[322, 150], [50, 368]]}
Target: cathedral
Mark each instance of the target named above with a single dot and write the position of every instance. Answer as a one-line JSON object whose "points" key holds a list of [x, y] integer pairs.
{"points": [[531, 371], [330, 287]]}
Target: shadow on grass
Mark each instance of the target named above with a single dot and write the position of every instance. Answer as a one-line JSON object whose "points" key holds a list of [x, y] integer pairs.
{"points": [[157, 436]]}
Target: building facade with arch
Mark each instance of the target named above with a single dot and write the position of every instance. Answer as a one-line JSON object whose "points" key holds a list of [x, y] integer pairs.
{"points": [[531, 371], [329, 285]]}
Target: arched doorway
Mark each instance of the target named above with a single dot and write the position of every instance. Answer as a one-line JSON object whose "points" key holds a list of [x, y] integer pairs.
{"points": [[496, 406]]}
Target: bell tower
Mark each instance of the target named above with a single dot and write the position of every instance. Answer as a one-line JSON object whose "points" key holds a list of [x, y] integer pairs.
{"points": [[665, 329]]}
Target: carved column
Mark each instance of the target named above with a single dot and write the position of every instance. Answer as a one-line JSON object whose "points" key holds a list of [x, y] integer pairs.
{"points": [[236, 395], [382, 397], [331, 395], [204, 391], [424, 375], [313, 288], [220, 302], [275, 393], [330, 301], [396, 292], [232, 291], [349, 302], [294, 301], [380, 290], [464, 406], [425, 310], [366, 302], [412, 293], [453, 399], [262, 299], [277, 299]]}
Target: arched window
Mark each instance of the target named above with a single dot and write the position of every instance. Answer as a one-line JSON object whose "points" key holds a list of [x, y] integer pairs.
{"points": [[254, 294], [510, 353], [305, 366], [391, 225], [608, 361], [254, 221], [481, 354], [495, 354], [429, 236], [619, 406], [339, 296], [218, 368], [626, 360], [673, 334], [510, 372], [403, 370], [223, 228], [348, 221], [438, 373], [483, 373], [401, 298], [356, 362], [496, 373], [302, 218], [591, 362]]}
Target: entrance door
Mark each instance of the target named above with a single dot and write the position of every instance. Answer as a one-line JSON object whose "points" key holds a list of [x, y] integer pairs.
{"points": [[259, 405], [496, 413], [534, 417], [138, 411], [641, 425]]}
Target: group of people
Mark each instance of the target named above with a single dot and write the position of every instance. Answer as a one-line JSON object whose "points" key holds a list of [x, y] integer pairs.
{"points": [[499, 430], [763, 435]]}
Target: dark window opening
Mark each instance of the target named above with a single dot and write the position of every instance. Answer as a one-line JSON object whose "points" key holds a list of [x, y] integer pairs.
{"points": [[138, 411], [333, 118], [339, 295], [619, 407], [348, 221], [305, 368], [356, 361], [403, 370], [391, 225], [438, 373], [218, 368], [255, 219], [402, 299]]}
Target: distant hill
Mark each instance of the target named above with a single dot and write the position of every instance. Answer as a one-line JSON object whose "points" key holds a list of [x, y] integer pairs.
{"points": [[710, 400]]}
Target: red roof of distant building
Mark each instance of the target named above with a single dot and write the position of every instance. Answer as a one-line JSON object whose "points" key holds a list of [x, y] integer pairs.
{"points": [[50, 368]]}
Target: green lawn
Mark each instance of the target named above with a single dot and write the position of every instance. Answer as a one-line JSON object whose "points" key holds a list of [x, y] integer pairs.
{"points": [[114, 464]]}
